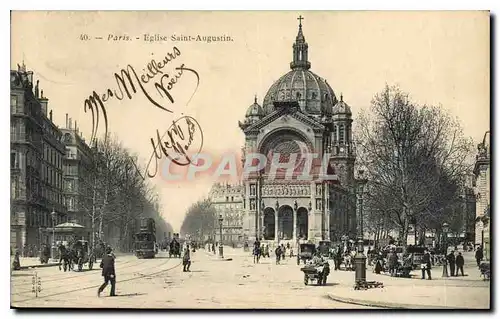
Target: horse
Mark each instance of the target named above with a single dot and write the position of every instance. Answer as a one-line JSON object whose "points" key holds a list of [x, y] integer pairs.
{"points": [[65, 257]]}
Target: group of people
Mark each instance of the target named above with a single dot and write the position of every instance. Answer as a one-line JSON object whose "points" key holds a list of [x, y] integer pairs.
{"points": [[262, 250], [281, 251], [455, 262]]}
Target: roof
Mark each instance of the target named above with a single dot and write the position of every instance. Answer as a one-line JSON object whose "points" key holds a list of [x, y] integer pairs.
{"points": [[69, 225]]}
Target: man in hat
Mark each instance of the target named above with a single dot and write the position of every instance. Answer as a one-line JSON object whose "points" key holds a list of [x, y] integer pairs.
{"points": [[108, 272]]}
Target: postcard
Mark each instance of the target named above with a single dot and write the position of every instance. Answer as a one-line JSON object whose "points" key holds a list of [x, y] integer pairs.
{"points": [[250, 159]]}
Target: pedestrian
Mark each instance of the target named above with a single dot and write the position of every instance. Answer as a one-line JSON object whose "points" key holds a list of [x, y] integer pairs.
{"points": [[338, 258], [277, 252], [450, 258], [283, 251], [256, 252], [479, 255], [108, 272], [393, 262], [426, 265], [459, 261], [378, 264], [186, 260], [16, 264]]}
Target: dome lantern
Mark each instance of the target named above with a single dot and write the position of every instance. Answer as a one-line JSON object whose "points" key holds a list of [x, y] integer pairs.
{"points": [[300, 50], [254, 112], [341, 107]]}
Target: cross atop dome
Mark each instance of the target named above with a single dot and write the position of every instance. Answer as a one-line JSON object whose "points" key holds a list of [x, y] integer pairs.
{"points": [[300, 18], [300, 50]]}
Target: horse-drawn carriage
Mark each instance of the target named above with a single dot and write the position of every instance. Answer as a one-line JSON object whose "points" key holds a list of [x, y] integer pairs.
{"points": [[82, 254], [306, 252], [174, 249]]}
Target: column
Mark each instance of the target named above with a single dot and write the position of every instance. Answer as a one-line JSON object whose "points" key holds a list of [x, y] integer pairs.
{"points": [[276, 238], [294, 237]]}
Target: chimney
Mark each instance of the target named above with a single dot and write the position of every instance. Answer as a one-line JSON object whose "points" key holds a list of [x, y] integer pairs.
{"points": [[43, 103], [50, 115], [76, 128], [36, 89], [66, 126], [69, 123]]}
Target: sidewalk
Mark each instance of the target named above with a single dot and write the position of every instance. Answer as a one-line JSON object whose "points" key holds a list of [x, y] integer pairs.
{"points": [[32, 262], [469, 292], [229, 253]]}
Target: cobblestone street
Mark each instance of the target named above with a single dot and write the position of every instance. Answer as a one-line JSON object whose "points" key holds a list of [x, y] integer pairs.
{"points": [[238, 283]]}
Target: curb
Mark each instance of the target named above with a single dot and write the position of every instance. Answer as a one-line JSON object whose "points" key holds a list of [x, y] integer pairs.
{"points": [[38, 266], [382, 304], [215, 258]]}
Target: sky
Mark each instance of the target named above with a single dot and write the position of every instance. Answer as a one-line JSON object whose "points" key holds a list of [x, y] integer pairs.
{"points": [[440, 58]]}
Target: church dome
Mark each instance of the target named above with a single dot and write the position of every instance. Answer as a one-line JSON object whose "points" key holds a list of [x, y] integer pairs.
{"points": [[255, 110], [341, 107], [313, 94]]}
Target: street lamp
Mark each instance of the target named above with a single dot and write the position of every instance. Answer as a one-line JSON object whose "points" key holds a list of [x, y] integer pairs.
{"points": [[221, 248], [360, 258], [446, 228], [53, 214]]}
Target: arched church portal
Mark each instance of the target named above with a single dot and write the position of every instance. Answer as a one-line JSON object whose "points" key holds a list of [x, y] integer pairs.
{"points": [[302, 222], [269, 224], [285, 222]]}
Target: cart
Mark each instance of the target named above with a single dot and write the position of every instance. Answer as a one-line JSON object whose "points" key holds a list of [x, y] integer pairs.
{"points": [[316, 273]]}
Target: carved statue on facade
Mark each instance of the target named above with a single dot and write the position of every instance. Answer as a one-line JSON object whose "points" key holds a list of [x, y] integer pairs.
{"points": [[482, 151]]}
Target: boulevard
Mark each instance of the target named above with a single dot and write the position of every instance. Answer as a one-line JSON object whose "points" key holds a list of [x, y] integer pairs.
{"points": [[239, 284]]}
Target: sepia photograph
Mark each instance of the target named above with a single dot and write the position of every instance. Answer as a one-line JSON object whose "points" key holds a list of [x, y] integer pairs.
{"points": [[250, 160]]}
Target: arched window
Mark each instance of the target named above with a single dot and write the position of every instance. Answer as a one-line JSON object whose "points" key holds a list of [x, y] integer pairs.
{"points": [[342, 134], [298, 95]]}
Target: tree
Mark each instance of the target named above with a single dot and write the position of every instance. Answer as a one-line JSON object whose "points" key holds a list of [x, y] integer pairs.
{"points": [[415, 157], [200, 220], [118, 195]]}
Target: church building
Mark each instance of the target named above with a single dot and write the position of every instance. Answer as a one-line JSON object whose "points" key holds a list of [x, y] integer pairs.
{"points": [[302, 115]]}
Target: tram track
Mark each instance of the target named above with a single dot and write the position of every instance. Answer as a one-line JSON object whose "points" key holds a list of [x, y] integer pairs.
{"points": [[93, 286], [130, 272], [55, 278]]}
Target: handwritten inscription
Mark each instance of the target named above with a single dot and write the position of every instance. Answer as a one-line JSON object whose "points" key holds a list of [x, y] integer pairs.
{"points": [[129, 83], [179, 143]]}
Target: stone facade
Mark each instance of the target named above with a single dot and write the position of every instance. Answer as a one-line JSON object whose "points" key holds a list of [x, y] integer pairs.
{"points": [[36, 164], [78, 175], [301, 116], [227, 200], [482, 169]]}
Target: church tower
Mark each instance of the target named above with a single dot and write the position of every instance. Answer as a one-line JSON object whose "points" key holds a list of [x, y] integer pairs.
{"points": [[343, 152]]}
